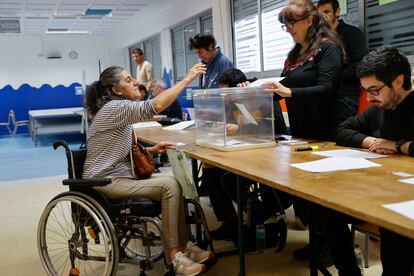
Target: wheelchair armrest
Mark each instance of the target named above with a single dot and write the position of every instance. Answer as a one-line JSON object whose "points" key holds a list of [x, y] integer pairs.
{"points": [[86, 183]]}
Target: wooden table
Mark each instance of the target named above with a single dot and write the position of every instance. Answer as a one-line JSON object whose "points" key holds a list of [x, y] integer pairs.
{"points": [[359, 193]]}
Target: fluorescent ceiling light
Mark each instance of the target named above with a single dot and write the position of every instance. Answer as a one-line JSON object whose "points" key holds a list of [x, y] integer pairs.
{"points": [[67, 32], [97, 11]]}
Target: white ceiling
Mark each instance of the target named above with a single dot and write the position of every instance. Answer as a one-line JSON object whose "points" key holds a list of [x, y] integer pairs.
{"points": [[35, 17]]}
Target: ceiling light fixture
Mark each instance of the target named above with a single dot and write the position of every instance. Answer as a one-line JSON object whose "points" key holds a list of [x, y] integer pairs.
{"points": [[67, 32]]}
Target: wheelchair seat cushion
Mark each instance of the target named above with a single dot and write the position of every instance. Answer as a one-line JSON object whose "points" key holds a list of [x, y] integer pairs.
{"points": [[143, 207]]}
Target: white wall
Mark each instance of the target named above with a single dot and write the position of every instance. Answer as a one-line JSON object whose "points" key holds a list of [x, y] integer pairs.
{"points": [[22, 61]]}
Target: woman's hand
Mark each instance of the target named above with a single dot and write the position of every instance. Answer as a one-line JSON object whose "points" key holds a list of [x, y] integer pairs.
{"points": [[232, 129], [196, 70], [277, 88], [161, 147]]}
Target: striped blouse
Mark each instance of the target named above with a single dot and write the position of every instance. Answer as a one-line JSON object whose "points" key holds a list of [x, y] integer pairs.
{"points": [[109, 138]]}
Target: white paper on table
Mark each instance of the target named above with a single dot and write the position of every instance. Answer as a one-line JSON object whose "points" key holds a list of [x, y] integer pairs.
{"points": [[147, 124], [259, 82], [403, 174], [249, 119], [293, 142], [405, 208], [351, 153], [407, 180], [335, 164], [180, 126]]}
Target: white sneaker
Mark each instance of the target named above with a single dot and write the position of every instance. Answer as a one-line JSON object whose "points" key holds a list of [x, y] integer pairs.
{"points": [[185, 266], [197, 254]]}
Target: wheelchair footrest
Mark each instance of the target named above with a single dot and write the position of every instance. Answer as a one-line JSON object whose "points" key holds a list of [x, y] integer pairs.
{"points": [[142, 207]]}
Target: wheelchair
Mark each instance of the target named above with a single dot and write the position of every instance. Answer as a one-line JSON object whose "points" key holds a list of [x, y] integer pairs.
{"points": [[81, 232]]}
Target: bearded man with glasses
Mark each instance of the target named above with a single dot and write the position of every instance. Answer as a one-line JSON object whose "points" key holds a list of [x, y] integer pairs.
{"points": [[386, 127]]}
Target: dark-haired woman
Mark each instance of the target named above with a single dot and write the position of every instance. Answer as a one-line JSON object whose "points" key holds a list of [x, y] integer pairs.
{"points": [[113, 106], [312, 71], [312, 74]]}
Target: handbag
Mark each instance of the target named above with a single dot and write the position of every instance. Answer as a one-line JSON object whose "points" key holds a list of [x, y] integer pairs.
{"points": [[144, 164]]}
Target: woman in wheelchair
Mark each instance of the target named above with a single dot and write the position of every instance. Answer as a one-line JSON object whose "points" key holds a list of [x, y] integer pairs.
{"points": [[113, 106]]}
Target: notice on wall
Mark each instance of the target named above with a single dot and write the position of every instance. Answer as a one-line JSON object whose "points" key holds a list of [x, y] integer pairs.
{"points": [[383, 2], [343, 6]]}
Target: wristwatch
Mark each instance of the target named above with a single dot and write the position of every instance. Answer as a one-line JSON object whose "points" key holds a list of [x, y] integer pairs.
{"points": [[398, 145]]}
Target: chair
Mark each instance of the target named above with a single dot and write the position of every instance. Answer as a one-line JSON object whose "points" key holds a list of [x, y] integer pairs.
{"points": [[17, 124], [371, 231], [81, 232], [7, 124]]}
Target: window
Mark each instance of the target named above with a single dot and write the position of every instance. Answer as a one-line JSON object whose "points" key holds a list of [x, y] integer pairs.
{"points": [[183, 57], [261, 46], [152, 53], [390, 24], [260, 43]]}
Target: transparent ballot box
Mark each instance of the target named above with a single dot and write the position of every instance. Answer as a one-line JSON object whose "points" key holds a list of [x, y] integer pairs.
{"points": [[234, 118]]}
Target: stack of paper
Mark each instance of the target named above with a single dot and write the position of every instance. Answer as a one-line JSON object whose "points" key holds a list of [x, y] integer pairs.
{"points": [[181, 125], [351, 153], [405, 208], [146, 124], [335, 164], [259, 82]]}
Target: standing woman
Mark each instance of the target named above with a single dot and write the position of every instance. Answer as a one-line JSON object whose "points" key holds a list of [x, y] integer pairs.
{"points": [[112, 103], [312, 74], [312, 71]]}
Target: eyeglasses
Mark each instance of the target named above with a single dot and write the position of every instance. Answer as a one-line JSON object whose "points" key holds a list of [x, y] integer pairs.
{"points": [[373, 92], [289, 24]]}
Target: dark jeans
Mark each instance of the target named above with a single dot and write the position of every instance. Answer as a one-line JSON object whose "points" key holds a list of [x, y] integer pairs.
{"points": [[397, 252], [220, 201]]}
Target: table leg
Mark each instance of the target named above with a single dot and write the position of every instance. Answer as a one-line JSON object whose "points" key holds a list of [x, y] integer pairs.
{"points": [[315, 266], [242, 271]]}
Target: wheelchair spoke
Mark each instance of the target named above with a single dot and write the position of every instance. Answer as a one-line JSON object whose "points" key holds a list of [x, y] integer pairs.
{"points": [[65, 242]]}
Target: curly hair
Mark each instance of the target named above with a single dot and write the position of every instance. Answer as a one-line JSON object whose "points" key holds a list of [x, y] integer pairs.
{"points": [[100, 92], [319, 32]]}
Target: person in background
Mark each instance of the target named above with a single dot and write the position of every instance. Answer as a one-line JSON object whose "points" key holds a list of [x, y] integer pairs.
{"points": [[346, 104], [386, 127], [144, 95], [204, 46], [174, 109], [113, 106], [145, 72]]}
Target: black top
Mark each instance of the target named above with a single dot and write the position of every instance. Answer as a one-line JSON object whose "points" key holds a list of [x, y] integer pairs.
{"points": [[313, 85], [378, 122], [173, 111], [354, 43]]}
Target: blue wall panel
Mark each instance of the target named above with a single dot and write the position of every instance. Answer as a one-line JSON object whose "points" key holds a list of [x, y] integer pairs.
{"points": [[27, 98]]}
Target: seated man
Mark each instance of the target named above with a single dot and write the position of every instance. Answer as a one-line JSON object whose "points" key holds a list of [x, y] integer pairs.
{"points": [[174, 110], [386, 127]]}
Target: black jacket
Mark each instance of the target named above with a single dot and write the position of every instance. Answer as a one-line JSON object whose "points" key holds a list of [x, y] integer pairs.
{"points": [[314, 85], [378, 122]]}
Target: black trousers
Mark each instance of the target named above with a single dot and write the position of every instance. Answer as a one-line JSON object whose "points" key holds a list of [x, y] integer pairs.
{"points": [[397, 252], [220, 201]]}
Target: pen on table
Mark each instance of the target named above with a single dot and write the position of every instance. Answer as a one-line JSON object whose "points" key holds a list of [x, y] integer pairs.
{"points": [[307, 148]]}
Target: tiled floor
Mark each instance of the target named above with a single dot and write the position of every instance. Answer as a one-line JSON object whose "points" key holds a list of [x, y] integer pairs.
{"points": [[19, 159], [23, 198]]}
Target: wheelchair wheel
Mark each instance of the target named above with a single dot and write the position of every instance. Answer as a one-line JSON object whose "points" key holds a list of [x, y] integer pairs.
{"points": [[76, 236], [144, 241]]}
